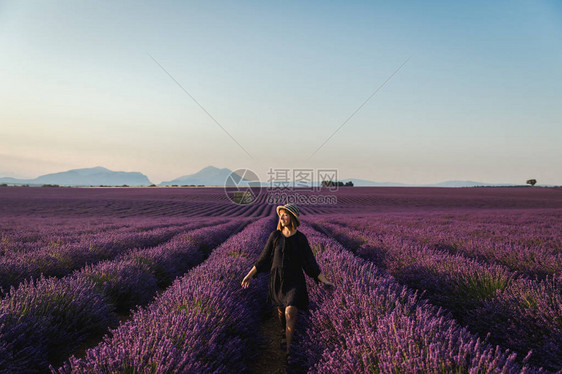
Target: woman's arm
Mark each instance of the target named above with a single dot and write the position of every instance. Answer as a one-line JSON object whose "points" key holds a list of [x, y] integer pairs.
{"points": [[264, 261], [248, 277], [311, 267]]}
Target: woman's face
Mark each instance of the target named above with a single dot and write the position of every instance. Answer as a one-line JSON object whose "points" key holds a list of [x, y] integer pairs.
{"points": [[284, 217]]}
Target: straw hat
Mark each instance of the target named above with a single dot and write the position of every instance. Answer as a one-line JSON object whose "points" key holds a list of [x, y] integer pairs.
{"points": [[292, 208]]}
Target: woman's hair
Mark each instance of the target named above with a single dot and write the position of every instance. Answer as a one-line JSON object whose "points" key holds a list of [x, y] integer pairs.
{"points": [[293, 224]]}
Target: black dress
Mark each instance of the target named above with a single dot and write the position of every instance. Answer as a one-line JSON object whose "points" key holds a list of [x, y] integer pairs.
{"points": [[285, 258]]}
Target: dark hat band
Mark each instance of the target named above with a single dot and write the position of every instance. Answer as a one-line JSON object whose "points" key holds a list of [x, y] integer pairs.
{"points": [[291, 208]]}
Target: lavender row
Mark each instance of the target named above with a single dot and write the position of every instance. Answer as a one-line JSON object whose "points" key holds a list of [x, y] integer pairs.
{"points": [[60, 260], [133, 278], [44, 320], [32, 235], [205, 322], [27, 234], [520, 314], [526, 241], [369, 323]]}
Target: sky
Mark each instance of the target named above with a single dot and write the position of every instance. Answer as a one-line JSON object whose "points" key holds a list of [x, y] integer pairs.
{"points": [[404, 91]]}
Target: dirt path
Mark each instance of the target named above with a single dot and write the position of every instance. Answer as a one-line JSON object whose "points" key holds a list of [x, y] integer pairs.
{"points": [[272, 358]]}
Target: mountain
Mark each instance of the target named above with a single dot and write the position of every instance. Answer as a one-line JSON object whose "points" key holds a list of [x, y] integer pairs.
{"points": [[209, 176], [97, 176]]}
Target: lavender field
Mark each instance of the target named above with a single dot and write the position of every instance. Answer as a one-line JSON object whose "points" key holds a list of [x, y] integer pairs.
{"points": [[147, 280]]}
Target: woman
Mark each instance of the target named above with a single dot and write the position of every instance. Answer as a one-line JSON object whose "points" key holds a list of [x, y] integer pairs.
{"points": [[286, 254]]}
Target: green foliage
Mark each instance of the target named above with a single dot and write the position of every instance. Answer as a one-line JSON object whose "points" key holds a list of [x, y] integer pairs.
{"points": [[336, 184]]}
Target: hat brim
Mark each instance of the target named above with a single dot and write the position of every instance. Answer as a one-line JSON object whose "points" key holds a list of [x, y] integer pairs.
{"points": [[292, 214]]}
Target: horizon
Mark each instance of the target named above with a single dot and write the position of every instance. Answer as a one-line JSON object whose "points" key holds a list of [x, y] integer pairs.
{"points": [[403, 92], [431, 184]]}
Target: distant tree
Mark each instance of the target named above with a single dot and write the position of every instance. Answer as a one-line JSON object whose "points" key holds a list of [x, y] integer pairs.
{"points": [[336, 183], [152, 185], [3, 185], [532, 182]]}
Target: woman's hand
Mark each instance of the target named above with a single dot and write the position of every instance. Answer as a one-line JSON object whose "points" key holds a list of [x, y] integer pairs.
{"points": [[248, 278], [324, 281], [246, 281]]}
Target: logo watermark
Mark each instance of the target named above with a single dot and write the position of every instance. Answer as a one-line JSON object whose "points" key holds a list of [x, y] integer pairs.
{"points": [[242, 186], [307, 179], [282, 198], [283, 186]]}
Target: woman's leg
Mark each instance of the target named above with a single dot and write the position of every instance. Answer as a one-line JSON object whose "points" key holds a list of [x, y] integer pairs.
{"points": [[291, 317]]}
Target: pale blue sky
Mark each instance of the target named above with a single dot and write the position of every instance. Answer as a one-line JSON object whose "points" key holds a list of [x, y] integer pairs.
{"points": [[479, 98]]}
